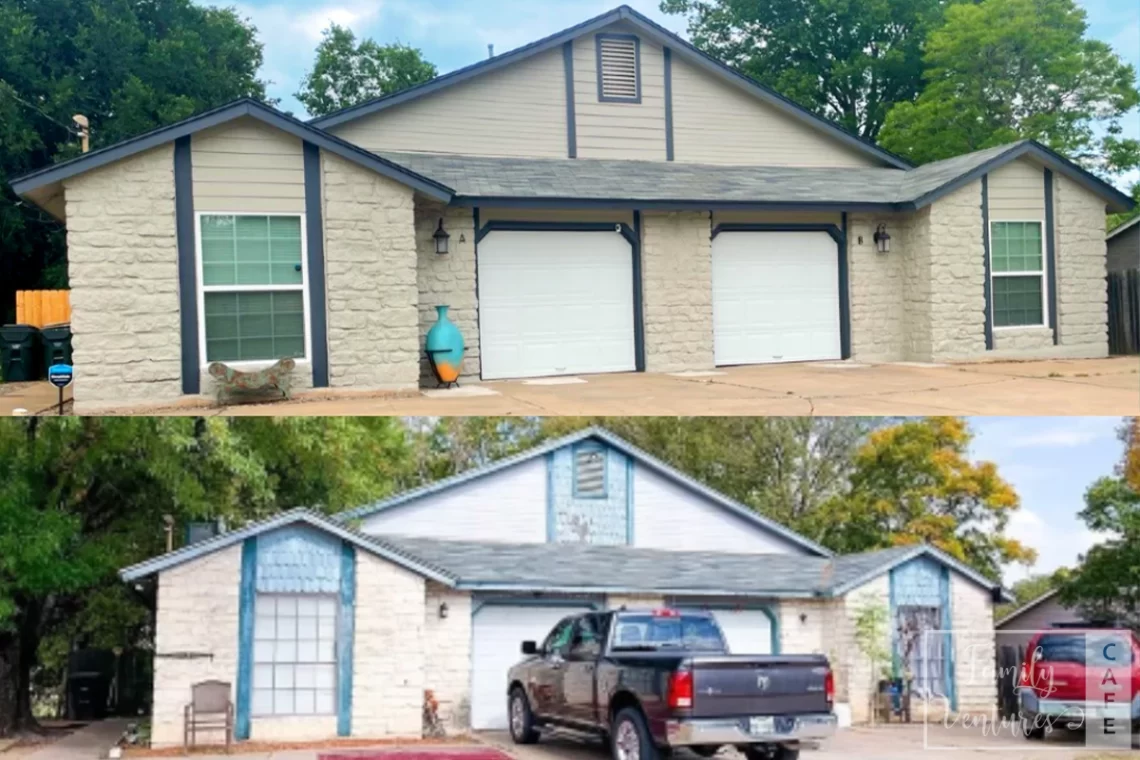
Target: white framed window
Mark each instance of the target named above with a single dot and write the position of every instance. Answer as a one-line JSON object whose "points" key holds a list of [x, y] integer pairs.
{"points": [[294, 654], [1017, 274], [253, 306]]}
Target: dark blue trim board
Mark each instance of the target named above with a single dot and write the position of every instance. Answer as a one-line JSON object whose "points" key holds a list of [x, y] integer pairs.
{"points": [[638, 298], [668, 53], [571, 123], [1051, 256], [245, 637], [507, 226], [187, 265], [636, 66], [844, 294], [345, 635], [315, 238], [987, 284]]}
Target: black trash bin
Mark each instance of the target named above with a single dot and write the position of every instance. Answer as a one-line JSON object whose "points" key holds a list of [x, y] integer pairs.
{"points": [[55, 342], [19, 353]]}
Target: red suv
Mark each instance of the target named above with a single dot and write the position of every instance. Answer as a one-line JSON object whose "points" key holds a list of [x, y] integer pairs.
{"points": [[1052, 687]]}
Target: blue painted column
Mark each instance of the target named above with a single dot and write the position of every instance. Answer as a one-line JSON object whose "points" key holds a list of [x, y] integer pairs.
{"points": [[345, 633], [245, 636]]}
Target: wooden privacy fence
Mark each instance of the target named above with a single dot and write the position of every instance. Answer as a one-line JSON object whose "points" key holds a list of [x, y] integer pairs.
{"points": [[1009, 659], [1124, 312], [43, 307]]}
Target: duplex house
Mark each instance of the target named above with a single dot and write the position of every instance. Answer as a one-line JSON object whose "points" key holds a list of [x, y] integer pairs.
{"points": [[613, 200], [337, 627]]}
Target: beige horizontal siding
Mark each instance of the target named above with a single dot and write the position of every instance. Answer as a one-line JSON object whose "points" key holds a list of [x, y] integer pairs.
{"points": [[1017, 191], [519, 110], [558, 215], [246, 166], [719, 123], [619, 130]]}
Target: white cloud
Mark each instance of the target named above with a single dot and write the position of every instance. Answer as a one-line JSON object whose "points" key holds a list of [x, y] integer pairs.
{"points": [[1057, 546]]}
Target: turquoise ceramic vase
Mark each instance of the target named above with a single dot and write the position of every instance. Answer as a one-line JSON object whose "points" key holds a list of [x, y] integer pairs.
{"points": [[445, 346]]}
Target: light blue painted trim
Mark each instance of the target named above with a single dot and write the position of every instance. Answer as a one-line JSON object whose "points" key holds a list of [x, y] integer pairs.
{"points": [[892, 613], [1051, 257], [934, 553], [636, 66], [187, 265], [629, 502], [772, 615], [551, 532], [245, 637], [590, 446], [571, 122], [371, 544], [947, 626], [345, 638], [650, 461], [479, 602], [668, 53]]}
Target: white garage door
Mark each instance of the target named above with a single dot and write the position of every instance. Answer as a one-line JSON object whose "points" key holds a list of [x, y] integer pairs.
{"points": [[555, 303], [498, 632], [747, 631], [775, 297]]}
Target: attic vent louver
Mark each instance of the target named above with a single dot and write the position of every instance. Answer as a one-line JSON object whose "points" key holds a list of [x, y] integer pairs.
{"points": [[619, 68], [590, 472]]}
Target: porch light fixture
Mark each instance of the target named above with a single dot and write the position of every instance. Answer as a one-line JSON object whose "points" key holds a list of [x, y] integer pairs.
{"points": [[443, 605], [441, 237], [882, 239]]}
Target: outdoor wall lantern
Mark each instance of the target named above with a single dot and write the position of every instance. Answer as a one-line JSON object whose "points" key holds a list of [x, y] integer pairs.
{"points": [[882, 239], [441, 237], [443, 605]]}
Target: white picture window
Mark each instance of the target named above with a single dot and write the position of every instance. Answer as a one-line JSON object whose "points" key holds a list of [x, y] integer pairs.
{"points": [[1017, 264], [294, 655], [252, 306]]}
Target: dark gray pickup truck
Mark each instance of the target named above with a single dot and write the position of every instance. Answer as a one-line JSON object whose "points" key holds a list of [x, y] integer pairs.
{"points": [[650, 681]]}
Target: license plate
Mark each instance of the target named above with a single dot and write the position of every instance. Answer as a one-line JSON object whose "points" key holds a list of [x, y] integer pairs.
{"points": [[765, 725]]}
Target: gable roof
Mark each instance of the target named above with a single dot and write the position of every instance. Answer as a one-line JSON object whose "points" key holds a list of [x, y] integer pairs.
{"points": [[643, 457], [853, 570], [1118, 229], [1026, 608], [245, 107], [652, 31]]}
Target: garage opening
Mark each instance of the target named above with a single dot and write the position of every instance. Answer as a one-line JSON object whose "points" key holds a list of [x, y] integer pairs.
{"points": [[775, 297], [555, 302]]}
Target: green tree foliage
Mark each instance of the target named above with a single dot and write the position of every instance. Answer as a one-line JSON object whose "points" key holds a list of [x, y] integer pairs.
{"points": [[347, 72], [1003, 70], [129, 66], [1027, 589], [1105, 587], [1115, 220], [848, 60]]}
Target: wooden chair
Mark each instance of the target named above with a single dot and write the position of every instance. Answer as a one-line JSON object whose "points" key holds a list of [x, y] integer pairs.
{"points": [[210, 709]]}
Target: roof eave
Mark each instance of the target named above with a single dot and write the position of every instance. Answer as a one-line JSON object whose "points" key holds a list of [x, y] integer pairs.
{"points": [[521, 202], [919, 550]]}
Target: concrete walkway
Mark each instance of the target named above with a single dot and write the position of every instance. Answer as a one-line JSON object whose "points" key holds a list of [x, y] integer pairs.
{"points": [[88, 743]]}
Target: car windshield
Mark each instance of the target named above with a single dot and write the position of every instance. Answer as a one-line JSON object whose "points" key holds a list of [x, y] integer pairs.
{"points": [[1072, 647], [649, 632]]}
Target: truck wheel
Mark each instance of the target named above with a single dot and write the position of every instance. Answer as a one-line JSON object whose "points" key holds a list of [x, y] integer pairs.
{"points": [[1034, 727], [521, 718], [769, 752], [629, 737]]}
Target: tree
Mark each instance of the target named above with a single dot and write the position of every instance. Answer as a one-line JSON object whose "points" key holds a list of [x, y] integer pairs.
{"points": [[1115, 220], [912, 483], [1003, 70], [1027, 589], [872, 639], [347, 73], [847, 60], [1105, 587], [129, 66]]}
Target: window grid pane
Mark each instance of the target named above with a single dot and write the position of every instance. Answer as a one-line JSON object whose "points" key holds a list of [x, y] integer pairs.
{"points": [[1017, 301], [252, 326], [251, 250], [1016, 247], [295, 667]]}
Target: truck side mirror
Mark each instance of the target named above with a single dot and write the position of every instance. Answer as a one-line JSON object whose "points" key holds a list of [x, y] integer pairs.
{"points": [[529, 647]]}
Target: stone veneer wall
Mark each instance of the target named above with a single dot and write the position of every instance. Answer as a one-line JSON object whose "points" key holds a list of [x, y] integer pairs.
{"points": [[197, 611], [676, 266], [875, 285], [447, 663], [972, 620], [370, 266], [447, 280], [1082, 297], [854, 677], [389, 650], [122, 258]]}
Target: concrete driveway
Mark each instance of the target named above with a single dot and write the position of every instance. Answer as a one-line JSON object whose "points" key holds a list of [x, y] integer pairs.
{"points": [[1078, 387]]}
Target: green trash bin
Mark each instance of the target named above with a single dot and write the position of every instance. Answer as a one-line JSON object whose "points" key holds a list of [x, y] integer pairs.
{"points": [[55, 342], [19, 353]]}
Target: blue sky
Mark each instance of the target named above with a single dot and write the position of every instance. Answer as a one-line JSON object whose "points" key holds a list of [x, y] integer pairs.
{"points": [[454, 33]]}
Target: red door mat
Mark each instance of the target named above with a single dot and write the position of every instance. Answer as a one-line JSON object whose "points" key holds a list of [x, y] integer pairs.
{"points": [[416, 754]]}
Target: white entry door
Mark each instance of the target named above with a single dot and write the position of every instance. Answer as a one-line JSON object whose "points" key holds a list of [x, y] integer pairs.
{"points": [[498, 631], [775, 297], [746, 631], [555, 303]]}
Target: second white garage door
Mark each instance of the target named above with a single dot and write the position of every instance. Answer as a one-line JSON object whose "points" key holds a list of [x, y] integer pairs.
{"points": [[775, 297], [555, 303], [746, 631], [498, 631]]}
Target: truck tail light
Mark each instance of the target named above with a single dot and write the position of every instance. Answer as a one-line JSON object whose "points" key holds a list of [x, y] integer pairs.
{"points": [[829, 687], [680, 692]]}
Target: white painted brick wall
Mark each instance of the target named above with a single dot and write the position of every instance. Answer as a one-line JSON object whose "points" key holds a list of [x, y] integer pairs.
{"points": [[812, 634], [972, 620], [855, 680], [447, 280], [447, 658], [197, 612], [388, 650], [370, 265], [122, 258], [676, 265], [293, 728]]}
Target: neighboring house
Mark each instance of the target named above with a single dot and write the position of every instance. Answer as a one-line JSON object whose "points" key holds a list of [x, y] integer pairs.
{"points": [[616, 201], [1046, 611], [330, 627], [1124, 246]]}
